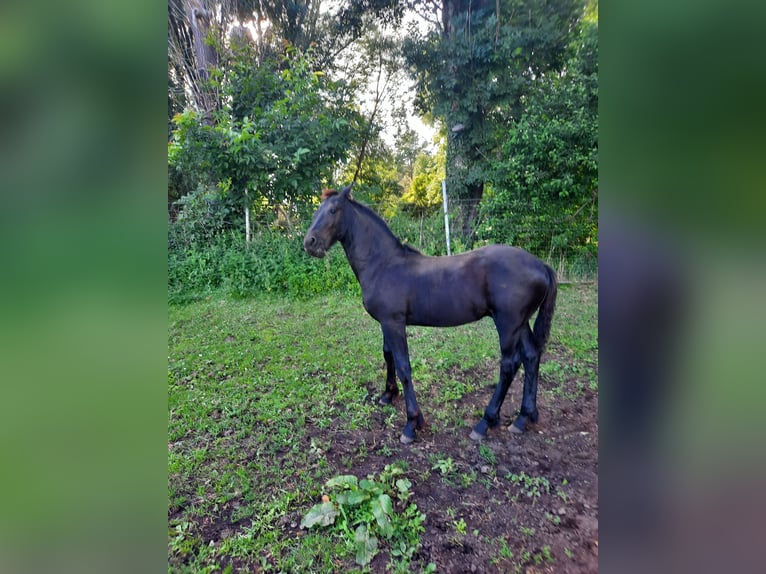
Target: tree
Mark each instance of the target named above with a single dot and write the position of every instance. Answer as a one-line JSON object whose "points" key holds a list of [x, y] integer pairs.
{"points": [[425, 193], [376, 66], [546, 176], [472, 72], [279, 132], [194, 31]]}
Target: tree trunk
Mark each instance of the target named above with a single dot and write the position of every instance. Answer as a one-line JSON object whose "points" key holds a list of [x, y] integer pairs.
{"points": [[465, 128], [470, 212]]}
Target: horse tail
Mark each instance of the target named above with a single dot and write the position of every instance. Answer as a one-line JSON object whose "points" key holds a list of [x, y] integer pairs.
{"points": [[542, 326]]}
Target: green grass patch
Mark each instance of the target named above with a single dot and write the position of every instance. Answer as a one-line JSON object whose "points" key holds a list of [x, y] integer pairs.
{"points": [[259, 391]]}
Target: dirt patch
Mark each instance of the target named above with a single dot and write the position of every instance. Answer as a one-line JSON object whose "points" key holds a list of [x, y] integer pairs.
{"points": [[525, 503]]}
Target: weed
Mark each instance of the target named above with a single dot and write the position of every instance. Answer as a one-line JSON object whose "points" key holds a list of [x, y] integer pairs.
{"points": [[467, 478], [487, 454], [367, 507], [554, 518], [385, 450], [445, 466], [505, 551], [488, 481], [531, 486]]}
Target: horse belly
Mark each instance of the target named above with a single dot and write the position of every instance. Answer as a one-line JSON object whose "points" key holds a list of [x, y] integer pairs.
{"points": [[446, 307]]}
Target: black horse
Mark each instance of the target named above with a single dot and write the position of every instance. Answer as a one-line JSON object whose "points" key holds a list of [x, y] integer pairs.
{"points": [[401, 286]]}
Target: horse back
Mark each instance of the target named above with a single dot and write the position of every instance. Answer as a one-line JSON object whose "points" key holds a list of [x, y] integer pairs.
{"points": [[459, 289]]}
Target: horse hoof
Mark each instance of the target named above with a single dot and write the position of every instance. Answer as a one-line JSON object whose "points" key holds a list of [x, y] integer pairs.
{"points": [[404, 439], [479, 431], [513, 429], [386, 399], [476, 437]]}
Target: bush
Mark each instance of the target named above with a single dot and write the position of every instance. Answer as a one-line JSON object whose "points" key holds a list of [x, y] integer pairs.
{"points": [[274, 263]]}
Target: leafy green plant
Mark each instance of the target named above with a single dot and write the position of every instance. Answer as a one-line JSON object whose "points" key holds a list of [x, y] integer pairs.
{"points": [[554, 518], [445, 466], [467, 478], [487, 454], [505, 552], [366, 506], [531, 486]]}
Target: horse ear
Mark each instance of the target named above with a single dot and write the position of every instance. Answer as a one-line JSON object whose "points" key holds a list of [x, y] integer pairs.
{"points": [[346, 191]]}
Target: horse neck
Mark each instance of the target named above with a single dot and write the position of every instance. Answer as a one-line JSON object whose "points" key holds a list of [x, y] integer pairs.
{"points": [[367, 243]]}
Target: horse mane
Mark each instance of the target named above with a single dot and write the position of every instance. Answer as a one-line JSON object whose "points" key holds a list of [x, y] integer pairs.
{"points": [[377, 219], [381, 223]]}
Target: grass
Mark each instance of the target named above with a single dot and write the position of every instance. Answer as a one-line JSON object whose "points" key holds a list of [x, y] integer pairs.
{"points": [[258, 391]]}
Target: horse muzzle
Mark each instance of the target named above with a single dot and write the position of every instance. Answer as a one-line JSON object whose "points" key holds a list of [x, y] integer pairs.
{"points": [[314, 247]]}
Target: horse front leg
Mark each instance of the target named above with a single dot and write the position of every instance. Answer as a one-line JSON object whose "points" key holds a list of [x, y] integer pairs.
{"points": [[395, 336], [392, 388]]}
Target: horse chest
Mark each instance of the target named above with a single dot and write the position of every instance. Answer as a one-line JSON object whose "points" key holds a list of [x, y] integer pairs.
{"points": [[385, 304]]}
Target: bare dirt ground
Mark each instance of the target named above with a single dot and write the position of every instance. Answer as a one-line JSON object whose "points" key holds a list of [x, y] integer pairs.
{"points": [[478, 518]]}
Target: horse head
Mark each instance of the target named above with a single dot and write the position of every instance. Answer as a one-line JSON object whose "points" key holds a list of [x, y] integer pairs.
{"points": [[327, 225]]}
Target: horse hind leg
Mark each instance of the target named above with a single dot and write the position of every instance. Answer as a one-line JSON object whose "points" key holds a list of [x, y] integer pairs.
{"points": [[509, 363], [530, 355]]}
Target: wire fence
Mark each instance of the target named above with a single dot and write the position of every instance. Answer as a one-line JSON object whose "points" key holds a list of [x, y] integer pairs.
{"points": [[472, 226], [571, 251]]}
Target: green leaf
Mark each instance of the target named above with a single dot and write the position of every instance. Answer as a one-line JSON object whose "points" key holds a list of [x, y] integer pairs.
{"points": [[344, 481], [323, 514], [352, 497], [357, 497], [382, 508], [403, 485], [366, 545], [369, 485]]}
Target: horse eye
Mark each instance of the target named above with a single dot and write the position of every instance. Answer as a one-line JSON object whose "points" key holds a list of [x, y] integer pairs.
{"points": [[333, 210]]}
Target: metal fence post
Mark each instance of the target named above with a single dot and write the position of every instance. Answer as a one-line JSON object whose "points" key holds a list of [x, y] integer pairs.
{"points": [[446, 216]]}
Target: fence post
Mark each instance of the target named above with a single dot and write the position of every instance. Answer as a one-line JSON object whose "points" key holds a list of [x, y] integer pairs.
{"points": [[446, 216]]}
